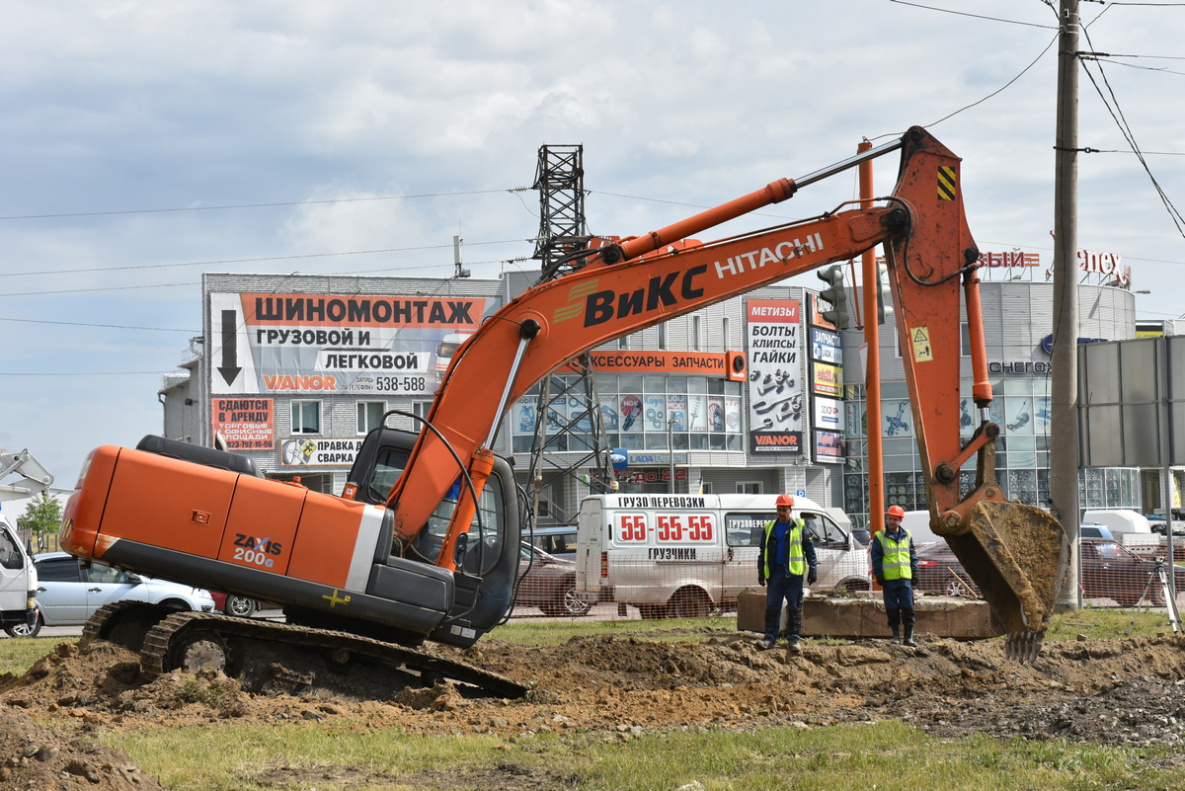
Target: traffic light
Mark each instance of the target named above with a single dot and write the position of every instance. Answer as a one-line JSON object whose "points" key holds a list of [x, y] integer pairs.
{"points": [[838, 315]]}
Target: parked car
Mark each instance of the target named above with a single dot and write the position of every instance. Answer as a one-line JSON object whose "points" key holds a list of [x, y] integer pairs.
{"points": [[1109, 571], [69, 591], [549, 583], [1095, 530], [234, 604], [941, 573], [556, 540]]}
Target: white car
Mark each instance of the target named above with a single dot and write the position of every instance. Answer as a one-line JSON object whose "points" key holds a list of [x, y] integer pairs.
{"points": [[69, 591]]}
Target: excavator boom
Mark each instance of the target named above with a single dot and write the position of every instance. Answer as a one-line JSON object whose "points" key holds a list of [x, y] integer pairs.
{"points": [[1016, 553]]}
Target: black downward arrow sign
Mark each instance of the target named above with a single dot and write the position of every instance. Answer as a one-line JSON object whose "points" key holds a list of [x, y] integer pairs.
{"points": [[230, 358]]}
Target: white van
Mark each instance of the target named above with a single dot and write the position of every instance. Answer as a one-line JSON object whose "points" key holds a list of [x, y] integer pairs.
{"points": [[1121, 521], [918, 525], [18, 583], [684, 555]]}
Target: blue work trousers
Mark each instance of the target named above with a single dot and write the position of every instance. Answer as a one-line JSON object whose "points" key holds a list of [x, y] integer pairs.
{"points": [[783, 586], [898, 595]]}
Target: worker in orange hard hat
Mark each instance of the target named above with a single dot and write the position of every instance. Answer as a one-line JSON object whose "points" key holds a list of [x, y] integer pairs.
{"points": [[786, 561], [895, 565]]}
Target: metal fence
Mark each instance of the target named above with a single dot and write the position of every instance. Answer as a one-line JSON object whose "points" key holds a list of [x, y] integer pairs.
{"points": [[703, 584]]}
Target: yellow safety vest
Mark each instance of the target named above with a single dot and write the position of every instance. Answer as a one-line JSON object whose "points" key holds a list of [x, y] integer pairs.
{"points": [[796, 562], [896, 560]]}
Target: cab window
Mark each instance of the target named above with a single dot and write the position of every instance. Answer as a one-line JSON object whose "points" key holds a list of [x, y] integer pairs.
{"points": [[387, 469], [10, 552]]}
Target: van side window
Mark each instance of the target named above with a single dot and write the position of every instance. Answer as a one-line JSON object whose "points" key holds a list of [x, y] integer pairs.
{"points": [[824, 531], [746, 529]]}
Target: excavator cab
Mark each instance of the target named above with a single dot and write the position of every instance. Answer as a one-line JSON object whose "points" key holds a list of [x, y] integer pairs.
{"points": [[486, 559]]}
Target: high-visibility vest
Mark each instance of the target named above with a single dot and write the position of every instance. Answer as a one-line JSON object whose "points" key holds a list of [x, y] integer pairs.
{"points": [[796, 561], [895, 564]]}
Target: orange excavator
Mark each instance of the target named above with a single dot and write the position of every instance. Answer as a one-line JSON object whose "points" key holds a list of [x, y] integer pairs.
{"points": [[424, 542]]}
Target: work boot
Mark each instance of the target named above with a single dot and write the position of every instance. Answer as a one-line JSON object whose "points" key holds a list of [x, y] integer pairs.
{"points": [[795, 647], [907, 618], [896, 635], [765, 644]]}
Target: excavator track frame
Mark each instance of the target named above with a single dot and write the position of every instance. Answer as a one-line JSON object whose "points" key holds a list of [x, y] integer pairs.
{"points": [[246, 643]]}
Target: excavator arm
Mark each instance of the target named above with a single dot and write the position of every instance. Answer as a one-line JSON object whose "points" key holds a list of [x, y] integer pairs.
{"points": [[1016, 553], [36, 479]]}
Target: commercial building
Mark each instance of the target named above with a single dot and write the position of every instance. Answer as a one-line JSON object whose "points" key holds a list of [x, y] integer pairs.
{"points": [[294, 370]]}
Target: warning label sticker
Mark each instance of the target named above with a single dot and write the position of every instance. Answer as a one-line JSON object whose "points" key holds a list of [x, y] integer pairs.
{"points": [[922, 352]]}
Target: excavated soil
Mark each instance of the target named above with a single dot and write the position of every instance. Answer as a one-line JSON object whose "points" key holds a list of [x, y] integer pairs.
{"points": [[1098, 691]]}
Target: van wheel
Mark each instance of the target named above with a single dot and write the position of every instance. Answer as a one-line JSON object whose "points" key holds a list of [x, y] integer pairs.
{"points": [[651, 612], [689, 603], [24, 630]]}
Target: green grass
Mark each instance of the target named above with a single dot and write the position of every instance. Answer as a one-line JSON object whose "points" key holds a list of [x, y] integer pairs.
{"points": [[347, 755], [885, 755], [1094, 623], [17, 654]]}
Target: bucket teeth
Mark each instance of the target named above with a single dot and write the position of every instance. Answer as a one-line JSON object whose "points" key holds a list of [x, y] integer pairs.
{"points": [[1023, 646]]}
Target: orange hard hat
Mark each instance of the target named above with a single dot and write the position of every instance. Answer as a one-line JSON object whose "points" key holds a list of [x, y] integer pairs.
{"points": [[897, 511], [785, 500]]}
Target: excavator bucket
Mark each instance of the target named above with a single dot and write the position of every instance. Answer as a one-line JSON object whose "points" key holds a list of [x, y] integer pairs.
{"points": [[1018, 556]]}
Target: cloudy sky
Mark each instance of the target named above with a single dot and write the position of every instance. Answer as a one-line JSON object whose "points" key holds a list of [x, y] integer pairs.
{"points": [[144, 143]]}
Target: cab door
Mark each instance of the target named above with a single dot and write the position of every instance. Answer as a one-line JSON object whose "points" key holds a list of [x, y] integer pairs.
{"points": [[838, 556], [14, 573]]}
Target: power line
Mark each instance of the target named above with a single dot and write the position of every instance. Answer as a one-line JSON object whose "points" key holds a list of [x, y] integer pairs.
{"points": [[255, 205], [1002, 87], [225, 261], [1159, 69], [87, 373], [975, 16], [395, 268], [1125, 129], [108, 326]]}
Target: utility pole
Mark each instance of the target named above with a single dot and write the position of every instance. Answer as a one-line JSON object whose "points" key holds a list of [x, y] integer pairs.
{"points": [[1063, 457], [872, 374]]}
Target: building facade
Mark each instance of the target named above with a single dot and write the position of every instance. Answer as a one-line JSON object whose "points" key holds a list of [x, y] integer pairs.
{"points": [[293, 371]]}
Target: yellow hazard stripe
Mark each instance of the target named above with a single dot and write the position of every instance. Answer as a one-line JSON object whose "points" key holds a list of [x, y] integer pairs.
{"points": [[948, 183]]}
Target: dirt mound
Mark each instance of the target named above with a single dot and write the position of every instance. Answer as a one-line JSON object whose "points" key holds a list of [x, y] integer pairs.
{"points": [[1099, 691], [34, 756]]}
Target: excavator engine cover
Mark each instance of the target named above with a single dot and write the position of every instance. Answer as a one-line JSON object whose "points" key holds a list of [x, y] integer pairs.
{"points": [[1018, 556]]}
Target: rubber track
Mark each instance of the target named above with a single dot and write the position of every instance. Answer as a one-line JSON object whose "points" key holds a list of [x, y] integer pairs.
{"points": [[156, 646]]}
